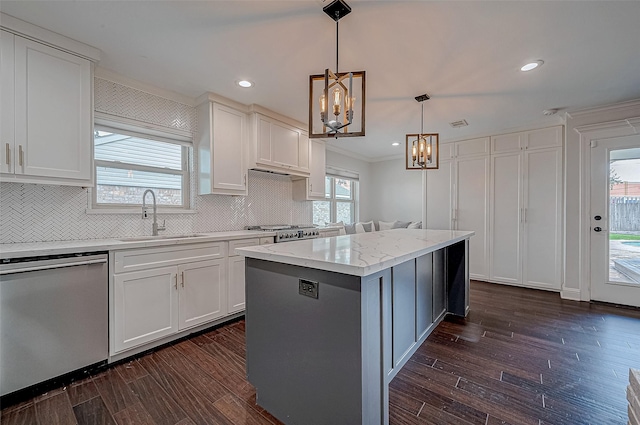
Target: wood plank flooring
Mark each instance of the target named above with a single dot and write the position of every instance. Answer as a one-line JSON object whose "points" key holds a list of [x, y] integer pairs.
{"points": [[520, 357]]}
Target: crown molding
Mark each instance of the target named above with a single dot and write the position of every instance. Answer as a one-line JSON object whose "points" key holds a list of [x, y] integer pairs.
{"points": [[620, 106], [49, 38]]}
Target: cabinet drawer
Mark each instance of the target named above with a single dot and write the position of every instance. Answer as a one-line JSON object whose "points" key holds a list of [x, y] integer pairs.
{"points": [[146, 258], [240, 243]]}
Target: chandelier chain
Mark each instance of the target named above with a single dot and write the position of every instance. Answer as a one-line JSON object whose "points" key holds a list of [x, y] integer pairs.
{"points": [[337, 45]]}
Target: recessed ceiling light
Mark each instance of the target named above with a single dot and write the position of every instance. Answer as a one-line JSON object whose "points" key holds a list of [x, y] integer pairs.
{"points": [[532, 65], [395, 144], [245, 83]]}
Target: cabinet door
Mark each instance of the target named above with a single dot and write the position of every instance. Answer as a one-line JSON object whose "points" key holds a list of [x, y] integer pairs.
{"points": [[507, 143], [236, 284], [312, 187], [472, 210], [304, 152], [264, 149], [7, 99], [424, 294], [506, 213], [53, 112], [145, 306], [544, 138], [440, 196], [285, 145], [229, 171], [203, 295], [439, 284], [318, 170], [472, 147], [542, 219]]}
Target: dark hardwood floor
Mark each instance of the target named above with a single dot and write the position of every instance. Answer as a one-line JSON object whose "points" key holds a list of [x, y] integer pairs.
{"points": [[521, 357]]}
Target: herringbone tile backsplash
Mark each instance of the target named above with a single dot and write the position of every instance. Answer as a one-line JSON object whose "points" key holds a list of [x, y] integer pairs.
{"points": [[36, 213]]}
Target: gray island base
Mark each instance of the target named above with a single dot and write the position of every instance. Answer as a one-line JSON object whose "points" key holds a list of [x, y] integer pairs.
{"points": [[327, 329]]}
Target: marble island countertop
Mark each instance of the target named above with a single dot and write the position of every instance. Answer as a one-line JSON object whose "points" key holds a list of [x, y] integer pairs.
{"points": [[32, 249], [360, 254]]}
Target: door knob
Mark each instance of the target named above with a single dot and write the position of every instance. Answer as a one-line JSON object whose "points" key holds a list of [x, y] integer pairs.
{"points": [[597, 229], [597, 218]]}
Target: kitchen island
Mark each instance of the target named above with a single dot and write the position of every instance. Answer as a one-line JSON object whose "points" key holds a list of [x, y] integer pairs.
{"points": [[330, 322]]}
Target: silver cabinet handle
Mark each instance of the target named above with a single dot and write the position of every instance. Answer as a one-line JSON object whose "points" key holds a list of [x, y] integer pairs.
{"points": [[20, 155], [182, 280], [7, 154], [175, 276]]}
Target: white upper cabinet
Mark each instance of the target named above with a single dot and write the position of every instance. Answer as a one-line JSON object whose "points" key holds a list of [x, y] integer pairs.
{"points": [[278, 146], [312, 187], [7, 105], [47, 110], [221, 146], [527, 140]]}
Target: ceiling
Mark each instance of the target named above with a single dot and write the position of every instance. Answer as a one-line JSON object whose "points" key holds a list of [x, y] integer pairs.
{"points": [[465, 55]]}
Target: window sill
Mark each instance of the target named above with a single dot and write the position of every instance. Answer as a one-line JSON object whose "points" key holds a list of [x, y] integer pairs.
{"points": [[136, 211]]}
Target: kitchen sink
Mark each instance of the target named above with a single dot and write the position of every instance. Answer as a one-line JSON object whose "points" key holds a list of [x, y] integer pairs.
{"points": [[162, 237]]}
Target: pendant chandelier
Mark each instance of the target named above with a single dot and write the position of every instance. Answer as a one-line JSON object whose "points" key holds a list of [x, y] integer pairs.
{"points": [[336, 99], [422, 150]]}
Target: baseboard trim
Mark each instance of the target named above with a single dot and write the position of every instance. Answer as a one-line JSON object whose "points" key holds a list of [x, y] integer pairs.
{"points": [[570, 294]]}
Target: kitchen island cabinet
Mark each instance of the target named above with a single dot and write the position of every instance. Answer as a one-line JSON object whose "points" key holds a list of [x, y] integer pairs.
{"points": [[330, 322]]}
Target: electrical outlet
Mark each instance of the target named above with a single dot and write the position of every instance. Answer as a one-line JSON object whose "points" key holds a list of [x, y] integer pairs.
{"points": [[145, 213], [308, 288]]}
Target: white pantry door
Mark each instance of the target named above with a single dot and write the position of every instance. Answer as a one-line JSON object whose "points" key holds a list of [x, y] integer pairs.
{"points": [[615, 256]]}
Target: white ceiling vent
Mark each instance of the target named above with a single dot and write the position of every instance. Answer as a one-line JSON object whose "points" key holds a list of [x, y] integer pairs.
{"points": [[459, 123]]}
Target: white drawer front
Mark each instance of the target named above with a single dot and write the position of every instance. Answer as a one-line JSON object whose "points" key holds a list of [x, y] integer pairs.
{"points": [[146, 258]]}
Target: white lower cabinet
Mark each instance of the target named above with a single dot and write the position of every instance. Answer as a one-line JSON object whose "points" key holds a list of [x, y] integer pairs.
{"points": [[159, 292], [236, 293], [201, 293], [145, 307], [236, 284]]}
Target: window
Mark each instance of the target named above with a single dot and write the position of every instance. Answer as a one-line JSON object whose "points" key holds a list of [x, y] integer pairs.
{"points": [[127, 164], [341, 201]]}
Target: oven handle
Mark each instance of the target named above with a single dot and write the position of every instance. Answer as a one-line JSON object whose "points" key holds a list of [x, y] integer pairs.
{"points": [[53, 266]]}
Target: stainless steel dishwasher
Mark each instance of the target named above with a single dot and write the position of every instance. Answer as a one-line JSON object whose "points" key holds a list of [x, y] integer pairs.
{"points": [[53, 317]]}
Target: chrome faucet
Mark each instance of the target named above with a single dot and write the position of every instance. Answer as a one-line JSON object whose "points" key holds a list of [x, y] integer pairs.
{"points": [[155, 228]]}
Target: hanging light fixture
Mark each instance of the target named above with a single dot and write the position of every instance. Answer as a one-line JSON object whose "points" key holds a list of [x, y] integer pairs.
{"points": [[422, 150], [336, 100]]}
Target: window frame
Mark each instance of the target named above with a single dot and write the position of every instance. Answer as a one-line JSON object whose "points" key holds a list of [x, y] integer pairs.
{"points": [[185, 171], [333, 200]]}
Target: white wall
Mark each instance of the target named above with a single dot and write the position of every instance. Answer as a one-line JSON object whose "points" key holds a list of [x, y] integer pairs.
{"points": [[363, 168], [397, 191], [576, 228]]}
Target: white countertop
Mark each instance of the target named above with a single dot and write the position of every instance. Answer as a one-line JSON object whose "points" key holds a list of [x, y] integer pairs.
{"points": [[17, 250], [360, 254]]}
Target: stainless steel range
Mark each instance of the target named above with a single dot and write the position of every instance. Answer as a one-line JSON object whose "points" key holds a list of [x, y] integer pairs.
{"points": [[289, 232]]}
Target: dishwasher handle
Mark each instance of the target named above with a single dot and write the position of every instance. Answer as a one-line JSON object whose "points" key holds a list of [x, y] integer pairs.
{"points": [[51, 266]]}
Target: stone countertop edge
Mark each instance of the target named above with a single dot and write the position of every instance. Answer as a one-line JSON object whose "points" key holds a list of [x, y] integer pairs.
{"points": [[33, 249], [361, 254]]}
